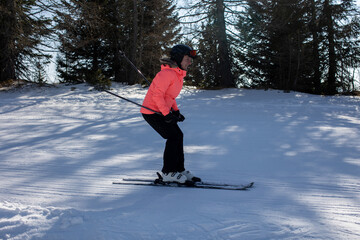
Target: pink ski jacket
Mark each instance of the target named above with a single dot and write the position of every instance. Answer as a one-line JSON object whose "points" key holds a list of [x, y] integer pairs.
{"points": [[163, 90]]}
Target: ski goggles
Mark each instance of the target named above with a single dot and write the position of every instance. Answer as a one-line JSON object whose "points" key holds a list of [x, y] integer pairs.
{"points": [[192, 53]]}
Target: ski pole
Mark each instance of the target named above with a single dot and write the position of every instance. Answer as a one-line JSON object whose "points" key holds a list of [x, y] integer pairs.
{"points": [[134, 67], [128, 100]]}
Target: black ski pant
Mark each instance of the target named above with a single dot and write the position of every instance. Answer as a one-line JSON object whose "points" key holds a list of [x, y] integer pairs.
{"points": [[174, 148]]}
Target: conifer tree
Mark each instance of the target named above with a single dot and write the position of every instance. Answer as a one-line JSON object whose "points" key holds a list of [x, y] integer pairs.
{"points": [[94, 33], [209, 25], [23, 27], [299, 45]]}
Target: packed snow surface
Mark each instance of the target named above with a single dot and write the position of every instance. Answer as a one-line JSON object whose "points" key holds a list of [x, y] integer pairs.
{"points": [[62, 147]]}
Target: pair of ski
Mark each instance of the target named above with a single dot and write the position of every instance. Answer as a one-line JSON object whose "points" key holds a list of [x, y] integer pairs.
{"points": [[188, 184]]}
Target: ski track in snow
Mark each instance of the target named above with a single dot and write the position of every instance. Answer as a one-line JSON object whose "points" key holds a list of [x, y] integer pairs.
{"points": [[61, 149]]}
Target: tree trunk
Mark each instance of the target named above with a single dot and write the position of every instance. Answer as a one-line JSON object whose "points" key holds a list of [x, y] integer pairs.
{"points": [[7, 42], [331, 86], [315, 50], [225, 74], [132, 74]]}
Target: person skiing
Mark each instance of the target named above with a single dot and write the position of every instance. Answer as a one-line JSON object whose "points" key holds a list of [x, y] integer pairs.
{"points": [[160, 97]]}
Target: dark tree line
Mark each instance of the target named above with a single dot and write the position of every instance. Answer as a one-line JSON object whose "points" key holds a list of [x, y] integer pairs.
{"points": [[94, 32], [303, 45], [308, 45]]}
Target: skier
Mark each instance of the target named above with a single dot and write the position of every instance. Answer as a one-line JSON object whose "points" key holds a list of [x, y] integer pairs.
{"points": [[160, 97]]}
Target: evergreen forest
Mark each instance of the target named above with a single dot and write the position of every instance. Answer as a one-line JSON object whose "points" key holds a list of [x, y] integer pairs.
{"points": [[310, 46]]}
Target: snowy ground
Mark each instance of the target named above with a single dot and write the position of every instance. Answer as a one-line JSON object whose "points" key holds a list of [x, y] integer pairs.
{"points": [[60, 150]]}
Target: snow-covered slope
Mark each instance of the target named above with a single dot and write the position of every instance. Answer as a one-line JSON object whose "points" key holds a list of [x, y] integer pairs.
{"points": [[60, 150]]}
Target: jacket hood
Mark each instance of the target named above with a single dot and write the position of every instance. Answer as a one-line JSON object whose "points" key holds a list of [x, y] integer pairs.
{"points": [[168, 61], [181, 73]]}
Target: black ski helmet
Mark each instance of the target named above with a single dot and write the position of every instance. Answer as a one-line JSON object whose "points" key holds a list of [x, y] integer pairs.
{"points": [[178, 52]]}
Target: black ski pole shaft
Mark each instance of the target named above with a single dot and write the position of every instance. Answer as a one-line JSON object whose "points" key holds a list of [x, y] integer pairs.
{"points": [[134, 67], [128, 100]]}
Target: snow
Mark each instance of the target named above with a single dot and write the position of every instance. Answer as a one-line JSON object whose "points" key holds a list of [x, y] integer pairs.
{"points": [[62, 147]]}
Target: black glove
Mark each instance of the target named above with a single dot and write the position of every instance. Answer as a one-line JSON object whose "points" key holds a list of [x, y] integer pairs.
{"points": [[170, 118], [180, 117]]}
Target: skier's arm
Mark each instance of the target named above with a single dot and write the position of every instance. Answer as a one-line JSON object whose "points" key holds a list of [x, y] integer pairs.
{"points": [[161, 83]]}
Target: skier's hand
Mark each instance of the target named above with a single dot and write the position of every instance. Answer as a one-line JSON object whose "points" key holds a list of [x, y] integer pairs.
{"points": [[180, 117], [171, 118]]}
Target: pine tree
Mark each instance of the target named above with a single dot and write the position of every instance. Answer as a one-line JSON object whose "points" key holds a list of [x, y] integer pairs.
{"points": [[158, 31], [289, 45], [211, 25], [39, 75], [205, 73], [23, 27], [94, 34], [341, 30]]}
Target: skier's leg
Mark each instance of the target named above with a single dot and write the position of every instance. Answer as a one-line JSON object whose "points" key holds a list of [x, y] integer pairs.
{"points": [[180, 150], [173, 153]]}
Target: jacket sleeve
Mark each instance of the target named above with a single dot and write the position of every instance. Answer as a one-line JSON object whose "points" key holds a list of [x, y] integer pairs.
{"points": [[175, 107], [161, 82]]}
